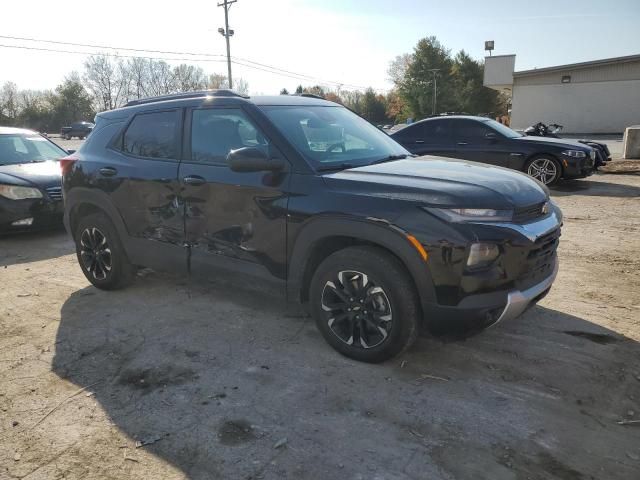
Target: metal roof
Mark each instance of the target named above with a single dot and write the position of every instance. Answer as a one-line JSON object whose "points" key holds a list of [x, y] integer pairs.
{"points": [[574, 66]]}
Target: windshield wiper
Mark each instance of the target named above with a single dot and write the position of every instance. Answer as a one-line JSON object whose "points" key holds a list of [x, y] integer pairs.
{"points": [[391, 158], [335, 167]]}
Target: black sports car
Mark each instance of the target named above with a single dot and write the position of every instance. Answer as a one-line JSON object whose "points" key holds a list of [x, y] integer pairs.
{"points": [[30, 181], [484, 140]]}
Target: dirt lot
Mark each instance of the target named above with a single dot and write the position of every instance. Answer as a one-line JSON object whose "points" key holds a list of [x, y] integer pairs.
{"points": [[171, 379]]}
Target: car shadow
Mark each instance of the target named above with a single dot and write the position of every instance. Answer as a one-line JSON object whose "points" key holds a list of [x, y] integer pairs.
{"points": [[222, 383], [593, 188], [29, 247]]}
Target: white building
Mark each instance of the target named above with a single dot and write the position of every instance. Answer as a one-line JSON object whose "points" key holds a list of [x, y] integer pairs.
{"points": [[602, 96]]}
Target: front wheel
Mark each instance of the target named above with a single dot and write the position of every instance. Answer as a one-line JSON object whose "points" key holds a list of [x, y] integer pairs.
{"points": [[100, 253], [365, 304], [544, 169]]}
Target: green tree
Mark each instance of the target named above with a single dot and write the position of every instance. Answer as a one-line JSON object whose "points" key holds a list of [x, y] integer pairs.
{"points": [[417, 88], [373, 107], [284, 91], [299, 89], [70, 103], [470, 95]]}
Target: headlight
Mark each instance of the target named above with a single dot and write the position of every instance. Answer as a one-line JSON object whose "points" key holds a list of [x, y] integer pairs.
{"points": [[14, 192], [472, 214], [481, 254], [574, 153]]}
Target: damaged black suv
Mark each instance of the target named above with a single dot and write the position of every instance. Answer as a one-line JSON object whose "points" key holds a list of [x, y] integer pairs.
{"points": [[303, 194]]}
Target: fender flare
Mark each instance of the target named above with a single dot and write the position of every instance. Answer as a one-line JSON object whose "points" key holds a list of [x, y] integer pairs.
{"points": [[377, 232], [97, 198]]}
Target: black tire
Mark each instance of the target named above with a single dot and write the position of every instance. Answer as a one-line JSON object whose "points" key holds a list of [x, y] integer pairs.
{"points": [[100, 254], [540, 168], [390, 311]]}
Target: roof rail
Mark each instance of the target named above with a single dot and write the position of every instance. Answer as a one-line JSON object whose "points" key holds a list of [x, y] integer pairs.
{"points": [[185, 95], [309, 95]]}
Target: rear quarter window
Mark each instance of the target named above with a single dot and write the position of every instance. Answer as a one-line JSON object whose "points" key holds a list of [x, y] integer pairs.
{"points": [[153, 135]]}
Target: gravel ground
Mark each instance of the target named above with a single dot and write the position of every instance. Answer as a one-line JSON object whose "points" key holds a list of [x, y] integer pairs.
{"points": [[172, 379]]}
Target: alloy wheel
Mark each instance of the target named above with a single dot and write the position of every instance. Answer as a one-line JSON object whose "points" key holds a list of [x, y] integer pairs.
{"points": [[357, 310], [95, 253], [544, 170]]}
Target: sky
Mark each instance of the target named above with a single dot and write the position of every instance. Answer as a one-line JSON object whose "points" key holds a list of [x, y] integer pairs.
{"points": [[330, 42]]}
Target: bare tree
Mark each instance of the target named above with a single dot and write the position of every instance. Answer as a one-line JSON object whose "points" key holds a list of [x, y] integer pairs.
{"points": [[188, 78], [240, 85], [9, 102], [398, 67], [104, 82], [217, 80]]}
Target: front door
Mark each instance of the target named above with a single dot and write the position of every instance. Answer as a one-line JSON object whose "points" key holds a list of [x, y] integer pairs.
{"points": [[235, 220], [478, 142]]}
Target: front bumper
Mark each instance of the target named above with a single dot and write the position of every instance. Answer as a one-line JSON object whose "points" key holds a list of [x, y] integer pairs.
{"points": [[577, 167], [518, 301], [45, 213]]}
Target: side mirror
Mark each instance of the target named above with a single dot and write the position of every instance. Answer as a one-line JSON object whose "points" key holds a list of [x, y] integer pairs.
{"points": [[251, 159], [71, 151]]}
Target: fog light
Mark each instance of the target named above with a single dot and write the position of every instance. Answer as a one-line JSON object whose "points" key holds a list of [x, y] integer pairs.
{"points": [[482, 254], [25, 222]]}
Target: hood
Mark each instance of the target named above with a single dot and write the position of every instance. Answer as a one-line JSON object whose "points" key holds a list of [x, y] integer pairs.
{"points": [[41, 174], [441, 182], [555, 142]]}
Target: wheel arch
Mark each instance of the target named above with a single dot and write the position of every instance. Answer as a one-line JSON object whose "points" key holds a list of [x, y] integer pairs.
{"points": [[323, 236], [82, 202], [535, 155]]}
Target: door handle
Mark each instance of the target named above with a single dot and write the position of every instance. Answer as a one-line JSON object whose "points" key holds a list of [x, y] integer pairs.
{"points": [[194, 180], [108, 171], [419, 141], [462, 144]]}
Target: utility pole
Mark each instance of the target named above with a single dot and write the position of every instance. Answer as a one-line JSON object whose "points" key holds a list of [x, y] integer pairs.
{"points": [[225, 32], [434, 72]]}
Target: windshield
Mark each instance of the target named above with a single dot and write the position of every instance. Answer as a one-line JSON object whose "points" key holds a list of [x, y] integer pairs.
{"points": [[333, 136], [28, 149], [503, 129]]}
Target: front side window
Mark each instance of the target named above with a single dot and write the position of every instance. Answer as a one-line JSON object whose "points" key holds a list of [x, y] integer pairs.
{"points": [[327, 136], [153, 135], [503, 129], [27, 149], [217, 131], [471, 131]]}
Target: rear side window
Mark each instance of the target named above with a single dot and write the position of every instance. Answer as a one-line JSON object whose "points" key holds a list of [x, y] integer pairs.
{"points": [[153, 135], [437, 132]]}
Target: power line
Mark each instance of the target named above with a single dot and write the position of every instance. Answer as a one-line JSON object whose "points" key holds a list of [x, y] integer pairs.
{"points": [[206, 56]]}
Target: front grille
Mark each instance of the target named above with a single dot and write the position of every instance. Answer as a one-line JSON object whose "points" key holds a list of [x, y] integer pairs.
{"points": [[540, 260], [527, 214], [54, 193]]}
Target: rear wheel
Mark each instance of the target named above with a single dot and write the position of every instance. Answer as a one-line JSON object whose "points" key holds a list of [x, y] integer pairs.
{"points": [[364, 304], [100, 253], [544, 169]]}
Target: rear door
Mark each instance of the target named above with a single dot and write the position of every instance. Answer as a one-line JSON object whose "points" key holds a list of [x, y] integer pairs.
{"points": [[233, 220], [478, 142], [140, 173], [430, 137]]}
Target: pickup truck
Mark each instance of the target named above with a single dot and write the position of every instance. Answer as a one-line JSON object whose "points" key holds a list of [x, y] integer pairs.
{"points": [[78, 129]]}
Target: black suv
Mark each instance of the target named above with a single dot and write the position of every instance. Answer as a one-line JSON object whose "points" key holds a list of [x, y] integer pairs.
{"points": [[484, 140], [303, 194], [78, 129]]}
